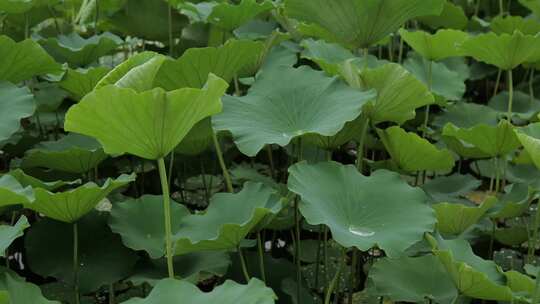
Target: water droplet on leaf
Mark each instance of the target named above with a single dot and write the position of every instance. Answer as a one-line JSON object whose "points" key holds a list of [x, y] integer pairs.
{"points": [[361, 231]]}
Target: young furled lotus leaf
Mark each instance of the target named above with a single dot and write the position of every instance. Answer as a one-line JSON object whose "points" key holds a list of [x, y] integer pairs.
{"points": [[285, 103], [13, 193], [523, 107], [228, 219], [451, 17], [451, 188], [17, 290], [140, 223], [473, 276], [513, 203], [399, 93], [357, 23], [455, 218], [505, 51], [102, 257], [80, 82], [69, 206], [443, 44], [414, 153], [529, 137], [229, 16], [193, 67], [413, 279], [230, 292], [156, 122], [15, 104], [78, 51], [27, 180], [23, 60], [16, 6], [73, 153], [118, 74], [9, 233], [494, 141], [510, 24], [446, 83], [378, 211]]}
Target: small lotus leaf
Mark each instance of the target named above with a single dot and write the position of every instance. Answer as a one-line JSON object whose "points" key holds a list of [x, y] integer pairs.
{"points": [[455, 218], [15, 104], [229, 16], [9, 233], [20, 291], [451, 17], [27, 180], [510, 24], [13, 193], [80, 82], [443, 44], [529, 137]]}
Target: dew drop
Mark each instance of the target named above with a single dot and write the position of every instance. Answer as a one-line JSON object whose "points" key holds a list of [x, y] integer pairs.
{"points": [[361, 231]]}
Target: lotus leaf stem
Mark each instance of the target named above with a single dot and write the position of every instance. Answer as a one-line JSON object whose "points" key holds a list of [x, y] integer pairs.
{"points": [[510, 95], [167, 216], [243, 264], [76, 263], [335, 279], [219, 153], [261, 256]]}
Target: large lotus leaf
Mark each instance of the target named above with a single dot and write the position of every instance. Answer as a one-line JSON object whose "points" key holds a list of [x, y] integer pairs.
{"points": [[23, 60], [73, 153], [15, 104], [192, 68], [455, 218], [450, 188], [9, 233], [529, 137], [443, 44], [492, 140], [513, 203], [27, 180], [169, 291], [78, 51], [156, 121], [504, 51], [19, 291], [147, 19], [285, 103], [120, 71], [13, 193], [510, 24], [16, 6], [451, 17], [102, 257], [444, 82], [381, 210], [69, 206], [229, 16], [80, 82], [413, 279], [357, 23], [228, 219], [197, 140], [399, 93], [140, 223], [467, 115], [473, 276], [523, 107], [414, 153]]}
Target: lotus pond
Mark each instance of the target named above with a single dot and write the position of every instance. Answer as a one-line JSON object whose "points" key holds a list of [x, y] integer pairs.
{"points": [[269, 151]]}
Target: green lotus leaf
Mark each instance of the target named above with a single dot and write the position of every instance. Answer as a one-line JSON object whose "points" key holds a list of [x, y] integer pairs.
{"points": [[197, 140], [444, 82], [118, 74], [357, 23], [512, 236], [19, 291], [492, 140], [23, 60], [13, 193], [78, 51], [228, 219], [510, 24], [16, 6], [522, 106], [80, 82], [147, 19], [413, 153], [451, 188], [140, 223], [473, 276], [156, 122], [9, 233], [196, 12], [504, 51], [380, 210], [443, 44], [413, 279], [73, 153], [286, 103], [15, 104], [513, 203], [529, 137], [533, 5], [27, 180], [192, 68], [520, 283], [229, 16], [467, 115], [451, 17], [455, 218], [230, 292], [102, 257], [69, 206], [399, 93]]}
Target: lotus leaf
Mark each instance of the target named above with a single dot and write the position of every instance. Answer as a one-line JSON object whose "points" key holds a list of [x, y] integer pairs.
{"points": [[15, 104], [443, 44], [455, 218]]}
